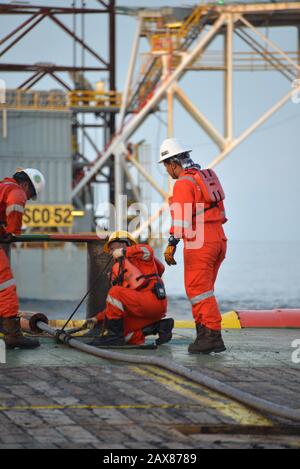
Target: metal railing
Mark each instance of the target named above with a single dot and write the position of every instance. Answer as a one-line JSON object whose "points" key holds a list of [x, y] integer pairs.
{"points": [[35, 100], [94, 99], [175, 35], [60, 101], [242, 61], [167, 39]]}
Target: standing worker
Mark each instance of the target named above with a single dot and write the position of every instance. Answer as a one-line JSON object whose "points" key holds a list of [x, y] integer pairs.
{"points": [[25, 184], [196, 188], [136, 302]]}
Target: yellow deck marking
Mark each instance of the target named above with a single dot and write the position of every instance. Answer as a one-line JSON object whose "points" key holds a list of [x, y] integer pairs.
{"points": [[229, 408], [83, 406]]}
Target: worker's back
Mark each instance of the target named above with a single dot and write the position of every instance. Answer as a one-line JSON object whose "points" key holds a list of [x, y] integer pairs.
{"points": [[12, 203]]}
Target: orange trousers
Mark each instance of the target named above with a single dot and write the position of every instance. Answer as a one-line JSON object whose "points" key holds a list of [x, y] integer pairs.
{"points": [[9, 303], [139, 308], [200, 272]]}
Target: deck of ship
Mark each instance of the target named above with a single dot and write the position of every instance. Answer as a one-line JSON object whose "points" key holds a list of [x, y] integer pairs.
{"points": [[57, 397]]}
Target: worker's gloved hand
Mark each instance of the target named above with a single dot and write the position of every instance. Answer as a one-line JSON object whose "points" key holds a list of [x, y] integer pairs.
{"points": [[170, 250], [94, 327], [6, 238], [118, 253], [169, 255], [90, 323]]}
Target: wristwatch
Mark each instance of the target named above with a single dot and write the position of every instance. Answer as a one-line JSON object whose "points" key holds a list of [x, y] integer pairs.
{"points": [[173, 241]]}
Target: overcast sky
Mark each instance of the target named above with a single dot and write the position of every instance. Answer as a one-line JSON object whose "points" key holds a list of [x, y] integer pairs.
{"points": [[261, 177]]}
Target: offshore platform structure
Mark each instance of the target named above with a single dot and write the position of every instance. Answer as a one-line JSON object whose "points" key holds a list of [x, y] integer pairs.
{"points": [[179, 41], [77, 104]]}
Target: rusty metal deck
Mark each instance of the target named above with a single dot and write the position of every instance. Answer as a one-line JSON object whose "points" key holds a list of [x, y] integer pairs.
{"points": [[56, 397]]}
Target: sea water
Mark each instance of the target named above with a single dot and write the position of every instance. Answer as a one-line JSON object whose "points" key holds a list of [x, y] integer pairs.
{"points": [[254, 275]]}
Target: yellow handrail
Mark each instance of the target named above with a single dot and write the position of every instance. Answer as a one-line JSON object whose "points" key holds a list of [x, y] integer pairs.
{"points": [[161, 40], [91, 98], [34, 100], [53, 100]]}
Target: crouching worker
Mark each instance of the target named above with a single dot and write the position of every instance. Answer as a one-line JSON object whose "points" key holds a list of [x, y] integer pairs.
{"points": [[136, 302]]}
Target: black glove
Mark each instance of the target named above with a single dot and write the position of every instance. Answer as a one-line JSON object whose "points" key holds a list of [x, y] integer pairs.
{"points": [[172, 241]]}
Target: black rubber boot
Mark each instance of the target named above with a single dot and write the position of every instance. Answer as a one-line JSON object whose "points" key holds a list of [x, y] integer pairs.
{"points": [[207, 341], [113, 334], [13, 336], [163, 328]]}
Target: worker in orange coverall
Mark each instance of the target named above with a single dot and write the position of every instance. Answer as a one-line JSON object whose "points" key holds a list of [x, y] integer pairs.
{"points": [[136, 302], [14, 192], [193, 216]]}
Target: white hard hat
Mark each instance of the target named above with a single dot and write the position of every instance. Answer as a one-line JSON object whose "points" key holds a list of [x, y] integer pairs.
{"points": [[37, 180], [171, 147]]}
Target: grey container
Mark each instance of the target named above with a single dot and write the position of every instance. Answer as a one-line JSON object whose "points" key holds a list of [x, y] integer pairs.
{"points": [[42, 140]]}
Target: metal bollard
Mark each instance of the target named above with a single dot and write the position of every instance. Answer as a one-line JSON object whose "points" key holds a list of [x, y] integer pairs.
{"points": [[96, 260]]}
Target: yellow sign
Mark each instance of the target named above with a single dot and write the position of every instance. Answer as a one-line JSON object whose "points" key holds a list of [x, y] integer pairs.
{"points": [[41, 216]]}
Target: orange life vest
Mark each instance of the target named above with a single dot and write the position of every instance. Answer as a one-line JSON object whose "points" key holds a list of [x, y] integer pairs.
{"points": [[210, 185], [126, 274], [203, 193]]}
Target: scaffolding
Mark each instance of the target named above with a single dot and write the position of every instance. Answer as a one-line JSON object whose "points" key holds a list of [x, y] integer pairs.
{"points": [[177, 46], [178, 41], [76, 94], [76, 100]]}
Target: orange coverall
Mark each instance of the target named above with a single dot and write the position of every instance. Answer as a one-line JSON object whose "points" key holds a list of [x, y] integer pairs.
{"points": [[139, 308], [12, 203], [201, 264]]}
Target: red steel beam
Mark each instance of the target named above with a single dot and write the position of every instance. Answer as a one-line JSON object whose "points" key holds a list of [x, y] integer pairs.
{"points": [[23, 34], [74, 36], [30, 9], [62, 82], [38, 78], [46, 68], [32, 77], [103, 3], [22, 25]]}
